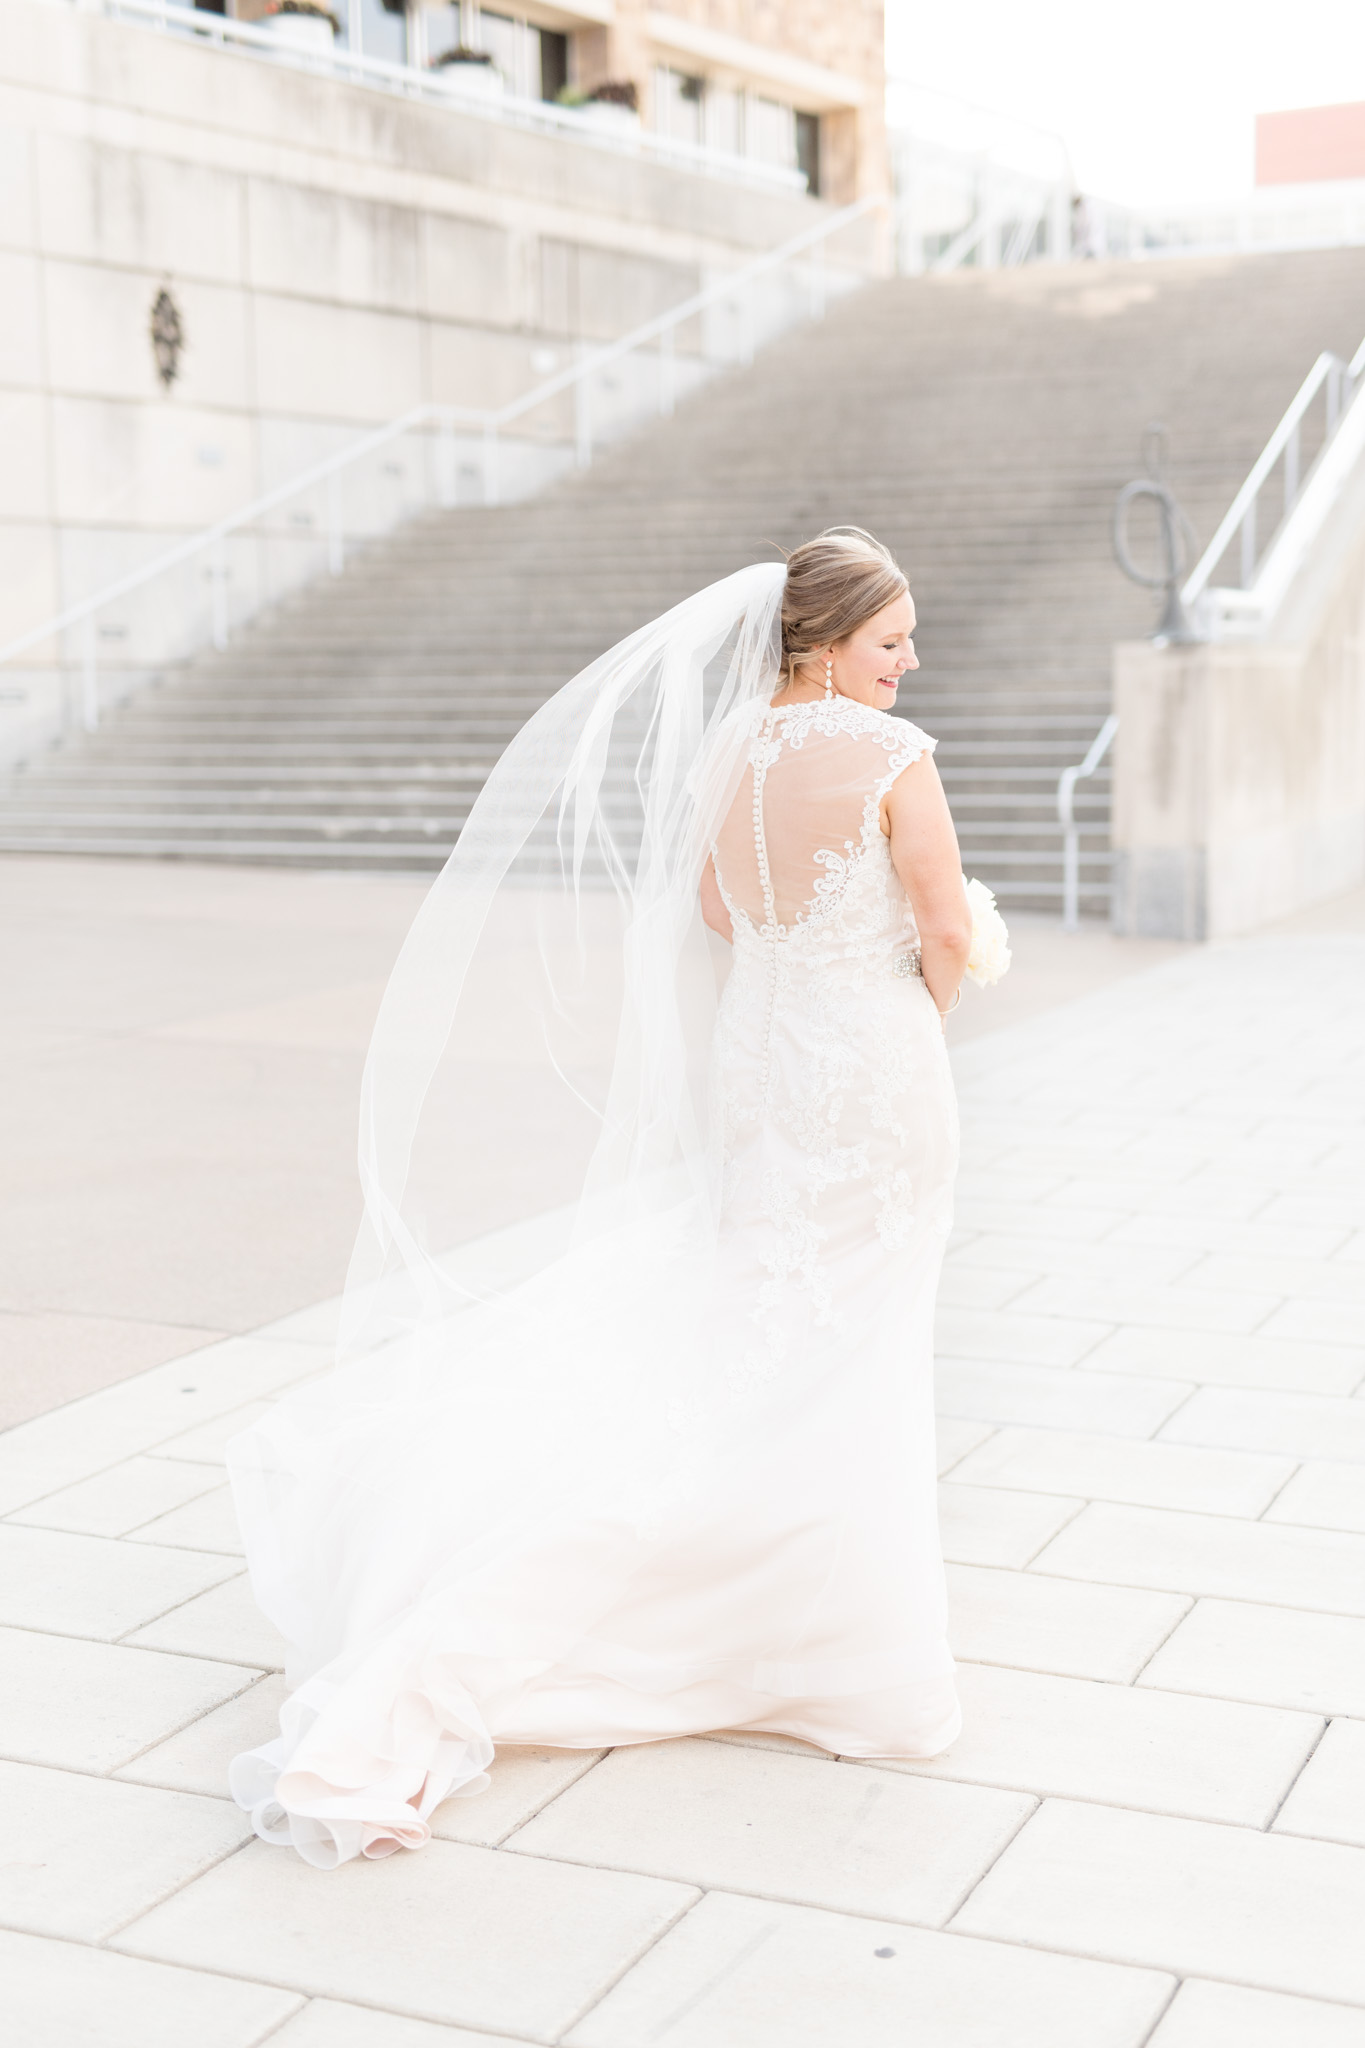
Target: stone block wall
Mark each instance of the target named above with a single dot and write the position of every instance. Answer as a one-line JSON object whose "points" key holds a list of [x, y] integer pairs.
{"points": [[337, 256]]}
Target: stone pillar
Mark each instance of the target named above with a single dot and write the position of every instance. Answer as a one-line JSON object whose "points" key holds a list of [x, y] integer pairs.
{"points": [[1239, 779]]}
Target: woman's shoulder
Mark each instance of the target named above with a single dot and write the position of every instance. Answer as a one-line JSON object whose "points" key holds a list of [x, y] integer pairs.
{"points": [[897, 735]]}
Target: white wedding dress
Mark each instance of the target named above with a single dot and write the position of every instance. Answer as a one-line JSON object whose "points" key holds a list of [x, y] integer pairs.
{"points": [[683, 1477]]}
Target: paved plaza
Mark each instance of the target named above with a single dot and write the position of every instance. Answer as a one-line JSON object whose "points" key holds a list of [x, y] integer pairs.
{"points": [[1152, 1399]]}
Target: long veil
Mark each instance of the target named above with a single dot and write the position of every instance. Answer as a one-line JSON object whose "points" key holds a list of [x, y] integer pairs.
{"points": [[445, 1513]]}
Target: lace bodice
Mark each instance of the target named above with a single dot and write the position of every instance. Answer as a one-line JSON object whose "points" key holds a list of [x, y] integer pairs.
{"points": [[801, 854], [829, 1055]]}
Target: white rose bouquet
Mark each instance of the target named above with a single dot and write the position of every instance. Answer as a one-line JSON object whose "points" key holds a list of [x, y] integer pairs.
{"points": [[989, 958]]}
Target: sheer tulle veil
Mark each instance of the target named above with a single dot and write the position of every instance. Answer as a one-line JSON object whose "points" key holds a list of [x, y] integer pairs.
{"points": [[563, 937], [541, 1051]]}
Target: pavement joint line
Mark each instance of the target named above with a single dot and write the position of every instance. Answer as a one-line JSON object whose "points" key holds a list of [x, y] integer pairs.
{"points": [[1327, 1721], [591, 2004], [1175, 1993], [173, 1890], [1031, 1559], [193, 1721]]}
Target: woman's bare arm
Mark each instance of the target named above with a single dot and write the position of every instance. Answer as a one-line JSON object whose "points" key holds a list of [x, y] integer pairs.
{"points": [[925, 853], [713, 908]]}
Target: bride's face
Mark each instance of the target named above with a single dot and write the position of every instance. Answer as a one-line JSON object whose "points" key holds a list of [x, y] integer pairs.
{"points": [[871, 661]]}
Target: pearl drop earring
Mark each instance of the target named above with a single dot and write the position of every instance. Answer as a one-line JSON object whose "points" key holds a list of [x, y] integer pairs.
{"points": [[829, 675]]}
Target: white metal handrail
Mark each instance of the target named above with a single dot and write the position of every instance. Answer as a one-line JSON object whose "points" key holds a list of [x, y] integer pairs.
{"points": [[445, 419], [1066, 800], [1337, 382], [435, 88]]}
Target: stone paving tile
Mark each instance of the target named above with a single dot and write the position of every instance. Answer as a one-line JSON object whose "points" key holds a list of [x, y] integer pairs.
{"points": [[1053, 1397], [207, 1442], [224, 1623], [1236, 1650], [982, 1213], [1123, 1746], [987, 1525], [1177, 1308], [1270, 1911], [1218, 1234], [521, 1782], [1040, 1624], [1226, 2016], [1305, 1279], [115, 1502], [92, 1586], [208, 1523], [782, 1827], [956, 1439], [977, 1287], [746, 1973], [763, 1738], [60, 1995], [84, 1855], [1322, 1496], [1299, 1425], [1325, 1322], [1034, 1253], [1156, 1475], [197, 1759], [1026, 1340], [1312, 1206], [1205, 1195], [474, 1937], [327, 2023], [1210, 1357], [94, 1434], [1321, 1569], [91, 1706], [1329, 1799]]}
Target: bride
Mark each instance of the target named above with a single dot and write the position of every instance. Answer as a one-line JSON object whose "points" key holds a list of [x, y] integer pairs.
{"points": [[662, 1460]]}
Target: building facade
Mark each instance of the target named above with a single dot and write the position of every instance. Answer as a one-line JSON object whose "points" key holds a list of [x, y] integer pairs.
{"points": [[791, 83]]}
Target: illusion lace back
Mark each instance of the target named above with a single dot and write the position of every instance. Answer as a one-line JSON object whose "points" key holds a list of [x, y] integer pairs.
{"points": [[675, 1483]]}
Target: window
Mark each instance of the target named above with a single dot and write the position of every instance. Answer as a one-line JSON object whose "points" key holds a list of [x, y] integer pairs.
{"points": [[772, 132], [808, 150], [554, 64], [678, 100], [723, 120]]}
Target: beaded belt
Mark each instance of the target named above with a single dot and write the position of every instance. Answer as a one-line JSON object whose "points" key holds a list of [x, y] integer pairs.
{"points": [[906, 964]]}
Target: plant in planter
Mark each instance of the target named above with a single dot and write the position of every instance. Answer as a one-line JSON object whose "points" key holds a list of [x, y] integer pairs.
{"points": [[467, 71], [615, 103], [303, 24]]}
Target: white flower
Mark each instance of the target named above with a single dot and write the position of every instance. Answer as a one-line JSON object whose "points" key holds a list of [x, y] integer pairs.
{"points": [[990, 954]]}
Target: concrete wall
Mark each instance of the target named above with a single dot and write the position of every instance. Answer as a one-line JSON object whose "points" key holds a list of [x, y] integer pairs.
{"points": [[1240, 769], [337, 255]]}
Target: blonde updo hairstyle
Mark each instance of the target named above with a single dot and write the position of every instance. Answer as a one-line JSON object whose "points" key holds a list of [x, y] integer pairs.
{"points": [[835, 583]]}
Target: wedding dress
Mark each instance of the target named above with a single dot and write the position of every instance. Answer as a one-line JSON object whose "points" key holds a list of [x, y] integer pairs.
{"points": [[680, 1475]]}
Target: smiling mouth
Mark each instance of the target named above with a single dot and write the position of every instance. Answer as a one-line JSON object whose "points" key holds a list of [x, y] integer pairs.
{"points": [[888, 682]]}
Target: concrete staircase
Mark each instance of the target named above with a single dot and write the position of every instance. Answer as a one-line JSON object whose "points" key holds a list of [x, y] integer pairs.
{"points": [[980, 423]]}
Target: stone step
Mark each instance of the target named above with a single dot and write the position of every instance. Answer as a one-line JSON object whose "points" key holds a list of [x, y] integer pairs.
{"points": [[981, 424]]}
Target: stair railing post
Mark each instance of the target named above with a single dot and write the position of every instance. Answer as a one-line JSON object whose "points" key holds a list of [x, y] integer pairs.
{"points": [[90, 684], [491, 479], [819, 287], [582, 422], [667, 374], [447, 492], [1249, 546], [1292, 448], [1333, 396], [218, 585], [336, 534]]}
